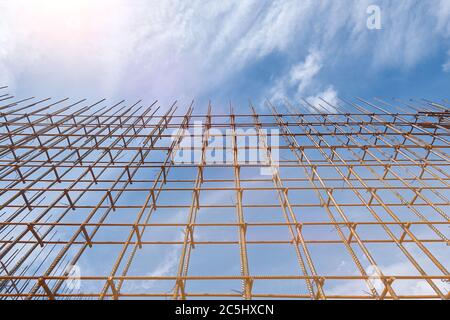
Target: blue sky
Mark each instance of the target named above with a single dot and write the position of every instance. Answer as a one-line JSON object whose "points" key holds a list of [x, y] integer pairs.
{"points": [[228, 50], [222, 51]]}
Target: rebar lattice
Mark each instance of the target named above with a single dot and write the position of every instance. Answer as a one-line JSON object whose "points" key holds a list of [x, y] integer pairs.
{"points": [[356, 208]]}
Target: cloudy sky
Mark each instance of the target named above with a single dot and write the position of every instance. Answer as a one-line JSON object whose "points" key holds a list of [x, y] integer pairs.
{"points": [[224, 50]]}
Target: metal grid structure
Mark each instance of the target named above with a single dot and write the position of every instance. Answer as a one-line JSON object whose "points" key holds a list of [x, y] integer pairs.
{"points": [[357, 207]]}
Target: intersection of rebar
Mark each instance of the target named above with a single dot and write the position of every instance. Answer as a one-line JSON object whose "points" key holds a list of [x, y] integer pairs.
{"points": [[95, 186]]}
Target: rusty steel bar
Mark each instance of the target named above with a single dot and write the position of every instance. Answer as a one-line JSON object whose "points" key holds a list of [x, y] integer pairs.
{"points": [[95, 202]]}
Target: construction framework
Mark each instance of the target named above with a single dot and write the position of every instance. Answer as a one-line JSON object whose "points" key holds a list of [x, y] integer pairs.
{"points": [[92, 205]]}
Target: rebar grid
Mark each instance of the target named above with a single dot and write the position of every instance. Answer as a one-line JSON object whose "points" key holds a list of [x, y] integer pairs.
{"points": [[357, 207]]}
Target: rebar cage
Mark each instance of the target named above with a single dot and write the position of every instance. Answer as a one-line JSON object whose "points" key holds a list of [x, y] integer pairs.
{"points": [[93, 205]]}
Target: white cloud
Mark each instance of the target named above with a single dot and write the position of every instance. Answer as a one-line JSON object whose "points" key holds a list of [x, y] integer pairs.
{"points": [[446, 66], [167, 266], [330, 95], [442, 13], [303, 73], [302, 82], [300, 78], [400, 286], [178, 49]]}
